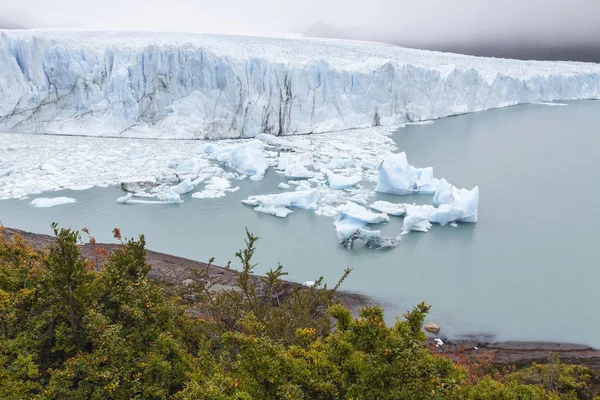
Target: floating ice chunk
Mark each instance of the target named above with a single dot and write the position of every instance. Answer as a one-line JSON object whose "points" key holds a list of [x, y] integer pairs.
{"points": [[184, 187], [548, 103], [415, 222], [168, 197], [283, 186], [350, 223], [340, 182], [397, 176], [460, 204], [297, 171], [303, 185], [52, 202], [276, 204], [246, 158], [371, 239], [397, 210], [356, 212], [217, 183], [215, 188]]}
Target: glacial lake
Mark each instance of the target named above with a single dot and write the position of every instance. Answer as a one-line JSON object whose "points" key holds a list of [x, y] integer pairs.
{"points": [[528, 270]]}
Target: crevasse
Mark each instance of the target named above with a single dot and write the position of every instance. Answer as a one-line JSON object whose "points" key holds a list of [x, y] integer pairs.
{"points": [[205, 86]]}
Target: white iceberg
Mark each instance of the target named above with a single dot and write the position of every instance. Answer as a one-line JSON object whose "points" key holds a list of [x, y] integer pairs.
{"points": [[339, 182], [168, 197], [276, 204], [416, 222], [460, 205], [350, 228], [246, 158], [52, 202], [184, 187], [298, 171], [354, 211], [283, 185], [397, 176]]}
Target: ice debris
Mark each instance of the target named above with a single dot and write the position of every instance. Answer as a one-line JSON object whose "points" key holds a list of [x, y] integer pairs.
{"points": [[168, 197], [277, 204], [397, 176], [339, 182], [215, 188], [52, 202]]}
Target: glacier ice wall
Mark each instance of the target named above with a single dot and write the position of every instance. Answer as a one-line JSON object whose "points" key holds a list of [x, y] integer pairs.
{"points": [[202, 86]]}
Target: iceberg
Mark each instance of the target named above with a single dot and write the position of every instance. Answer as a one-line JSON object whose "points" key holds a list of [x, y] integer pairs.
{"points": [[415, 222], [350, 228], [454, 204], [297, 171], [168, 197], [339, 182], [246, 158], [194, 86], [184, 187], [276, 204], [51, 202], [397, 176], [370, 239]]}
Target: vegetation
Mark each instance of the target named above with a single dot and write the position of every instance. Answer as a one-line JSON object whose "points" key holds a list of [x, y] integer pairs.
{"points": [[74, 329]]}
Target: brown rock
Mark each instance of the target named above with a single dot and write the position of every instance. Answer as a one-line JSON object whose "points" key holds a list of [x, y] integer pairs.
{"points": [[432, 327]]}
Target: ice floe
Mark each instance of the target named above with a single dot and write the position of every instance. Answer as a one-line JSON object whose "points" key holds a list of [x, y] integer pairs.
{"points": [[52, 202], [277, 204], [339, 182], [397, 176]]}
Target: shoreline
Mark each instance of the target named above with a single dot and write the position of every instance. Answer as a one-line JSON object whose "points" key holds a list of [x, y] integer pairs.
{"points": [[175, 270]]}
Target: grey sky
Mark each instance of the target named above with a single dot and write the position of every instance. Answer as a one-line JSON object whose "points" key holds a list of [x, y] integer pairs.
{"points": [[415, 21]]}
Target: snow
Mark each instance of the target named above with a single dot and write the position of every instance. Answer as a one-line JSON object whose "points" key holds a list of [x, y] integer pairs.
{"points": [[397, 176], [339, 182], [276, 204], [52, 202], [161, 85]]}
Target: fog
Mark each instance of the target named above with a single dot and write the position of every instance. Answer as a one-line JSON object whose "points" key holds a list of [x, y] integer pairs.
{"points": [[440, 24]]}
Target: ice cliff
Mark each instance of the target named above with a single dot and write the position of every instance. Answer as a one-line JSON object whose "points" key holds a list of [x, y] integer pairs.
{"points": [[207, 86]]}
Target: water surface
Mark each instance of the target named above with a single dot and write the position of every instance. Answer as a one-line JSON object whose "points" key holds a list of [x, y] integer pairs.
{"points": [[528, 270]]}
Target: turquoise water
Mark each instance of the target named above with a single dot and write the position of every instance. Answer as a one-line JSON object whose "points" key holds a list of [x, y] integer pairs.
{"points": [[528, 270]]}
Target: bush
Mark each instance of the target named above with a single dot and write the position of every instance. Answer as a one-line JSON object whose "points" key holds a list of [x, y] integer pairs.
{"points": [[72, 330]]}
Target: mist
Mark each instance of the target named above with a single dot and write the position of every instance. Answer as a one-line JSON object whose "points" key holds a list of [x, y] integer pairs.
{"points": [[484, 26]]}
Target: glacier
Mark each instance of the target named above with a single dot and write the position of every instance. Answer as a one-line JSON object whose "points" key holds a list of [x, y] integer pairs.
{"points": [[160, 85]]}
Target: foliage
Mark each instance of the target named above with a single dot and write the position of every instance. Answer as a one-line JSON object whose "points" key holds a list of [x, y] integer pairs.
{"points": [[101, 329]]}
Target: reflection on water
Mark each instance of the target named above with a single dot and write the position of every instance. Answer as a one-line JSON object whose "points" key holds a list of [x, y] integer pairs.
{"points": [[530, 262]]}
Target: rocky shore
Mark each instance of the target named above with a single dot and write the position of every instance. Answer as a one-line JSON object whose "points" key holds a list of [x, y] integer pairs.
{"points": [[176, 270]]}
